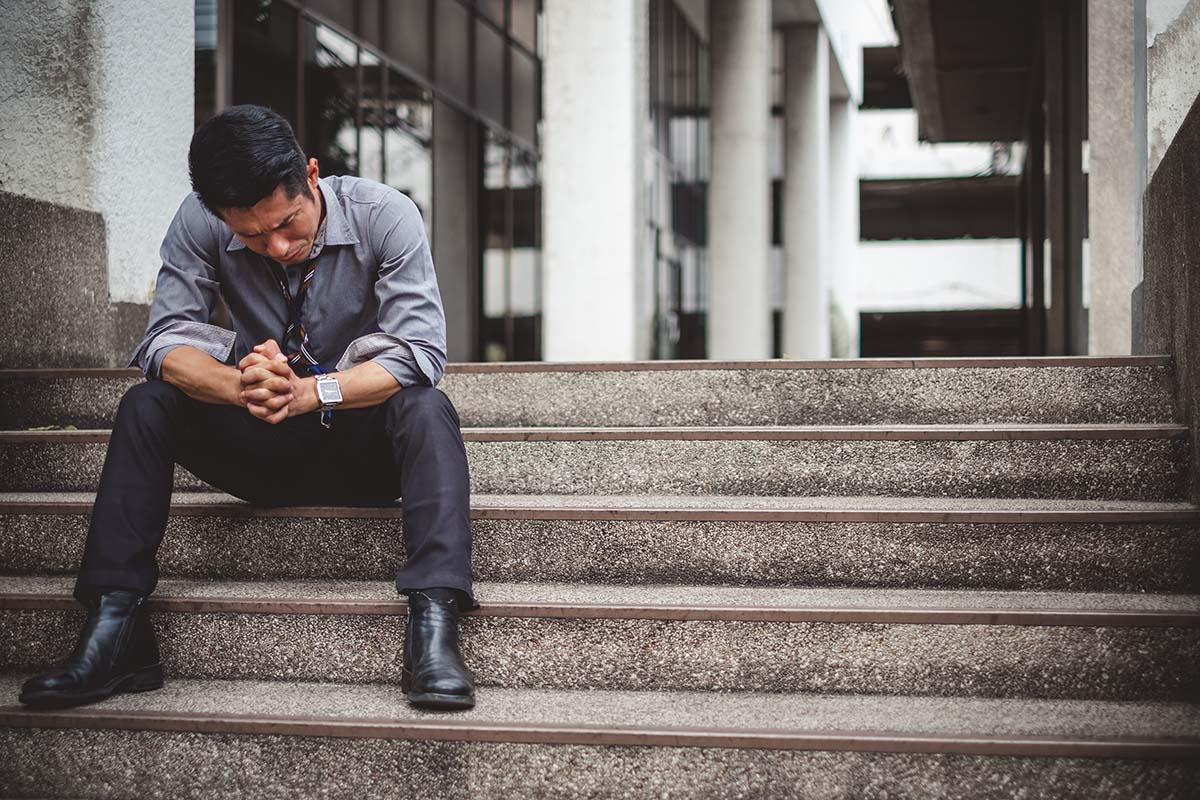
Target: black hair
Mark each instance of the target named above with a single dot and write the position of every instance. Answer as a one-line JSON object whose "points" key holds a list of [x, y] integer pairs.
{"points": [[241, 155]]}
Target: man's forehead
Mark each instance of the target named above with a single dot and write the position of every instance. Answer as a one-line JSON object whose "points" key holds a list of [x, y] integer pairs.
{"points": [[264, 215]]}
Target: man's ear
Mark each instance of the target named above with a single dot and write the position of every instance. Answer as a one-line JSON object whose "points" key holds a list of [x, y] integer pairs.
{"points": [[314, 174]]}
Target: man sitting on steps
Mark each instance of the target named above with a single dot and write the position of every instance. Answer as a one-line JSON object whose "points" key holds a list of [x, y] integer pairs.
{"points": [[335, 273]]}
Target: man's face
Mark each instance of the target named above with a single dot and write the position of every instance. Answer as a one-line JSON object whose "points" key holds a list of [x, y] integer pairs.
{"points": [[278, 227]]}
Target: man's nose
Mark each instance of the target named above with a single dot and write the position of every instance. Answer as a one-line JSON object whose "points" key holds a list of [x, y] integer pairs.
{"points": [[277, 246]]}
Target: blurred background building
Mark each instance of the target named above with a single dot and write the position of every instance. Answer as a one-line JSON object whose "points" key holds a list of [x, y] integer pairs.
{"points": [[643, 179]]}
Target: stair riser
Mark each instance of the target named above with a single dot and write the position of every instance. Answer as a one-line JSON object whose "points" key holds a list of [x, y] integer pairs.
{"points": [[70, 763], [1134, 469], [1157, 557], [866, 658], [716, 397]]}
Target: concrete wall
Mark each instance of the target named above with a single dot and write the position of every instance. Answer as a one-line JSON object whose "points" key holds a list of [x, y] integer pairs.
{"points": [[1172, 70], [54, 307], [98, 110], [1170, 304]]}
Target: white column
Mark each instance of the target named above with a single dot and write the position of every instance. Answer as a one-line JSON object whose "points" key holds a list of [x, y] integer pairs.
{"points": [[843, 229], [806, 192], [739, 211], [1115, 174], [594, 114]]}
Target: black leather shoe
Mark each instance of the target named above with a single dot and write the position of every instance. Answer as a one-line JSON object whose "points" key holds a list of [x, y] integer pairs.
{"points": [[116, 652], [434, 673]]}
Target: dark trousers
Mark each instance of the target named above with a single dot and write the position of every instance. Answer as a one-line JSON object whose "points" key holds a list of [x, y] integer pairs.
{"points": [[410, 447]]}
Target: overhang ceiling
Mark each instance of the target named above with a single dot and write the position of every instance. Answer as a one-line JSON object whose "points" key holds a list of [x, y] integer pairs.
{"points": [[968, 64]]}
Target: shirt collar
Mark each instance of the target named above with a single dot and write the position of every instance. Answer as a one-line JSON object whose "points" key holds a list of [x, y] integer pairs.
{"points": [[334, 230]]}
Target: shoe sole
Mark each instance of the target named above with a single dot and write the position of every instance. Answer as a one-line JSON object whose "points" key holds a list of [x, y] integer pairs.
{"points": [[144, 680], [444, 702]]}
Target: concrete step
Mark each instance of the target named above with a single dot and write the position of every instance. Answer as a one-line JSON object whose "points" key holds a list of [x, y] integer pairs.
{"points": [[777, 392], [298, 739], [848, 641], [949, 543], [1134, 462]]}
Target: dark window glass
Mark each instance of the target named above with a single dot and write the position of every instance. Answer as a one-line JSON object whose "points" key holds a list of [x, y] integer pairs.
{"points": [[370, 140], [330, 100], [452, 71], [339, 12], [524, 23], [206, 59], [525, 87], [493, 10], [408, 131], [370, 15], [489, 73], [509, 217], [408, 34], [264, 56]]}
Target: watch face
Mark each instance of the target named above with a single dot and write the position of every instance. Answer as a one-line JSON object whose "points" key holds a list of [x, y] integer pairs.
{"points": [[329, 392]]}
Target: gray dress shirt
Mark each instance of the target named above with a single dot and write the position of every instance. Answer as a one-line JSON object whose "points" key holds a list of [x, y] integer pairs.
{"points": [[374, 295]]}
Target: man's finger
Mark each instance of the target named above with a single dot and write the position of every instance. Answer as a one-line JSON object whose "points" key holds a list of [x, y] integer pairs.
{"points": [[266, 414], [276, 402], [268, 388], [265, 371], [269, 348], [251, 359]]}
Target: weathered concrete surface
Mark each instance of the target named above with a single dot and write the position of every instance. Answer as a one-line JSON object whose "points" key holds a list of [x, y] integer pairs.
{"points": [[778, 712], [98, 114], [1170, 291], [1136, 557], [1094, 663], [1114, 174], [1116, 469], [55, 309], [960, 395], [1172, 72], [191, 765]]}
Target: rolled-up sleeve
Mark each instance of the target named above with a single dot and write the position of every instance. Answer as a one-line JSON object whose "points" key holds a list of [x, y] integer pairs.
{"points": [[185, 293], [411, 342]]}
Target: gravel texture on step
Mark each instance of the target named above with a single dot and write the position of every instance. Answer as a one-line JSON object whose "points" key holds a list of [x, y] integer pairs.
{"points": [[1029, 661], [716, 396], [228, 543], [1142, 469], [153, 765], [733, 711]]}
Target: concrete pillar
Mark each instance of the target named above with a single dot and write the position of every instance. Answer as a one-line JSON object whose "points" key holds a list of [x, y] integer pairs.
{"points": [[1115, 174], [843, 229], [806, 196], [594, 116], [456, 182], [739, 303]]}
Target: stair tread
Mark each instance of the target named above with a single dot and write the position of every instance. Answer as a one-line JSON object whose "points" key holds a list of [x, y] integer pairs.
{"points": [[867, 431], [833, 503], [682, 710], [492, 594]]}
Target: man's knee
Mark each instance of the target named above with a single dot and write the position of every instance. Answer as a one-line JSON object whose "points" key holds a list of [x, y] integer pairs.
{"points": [[420, 403], [144, 399]]}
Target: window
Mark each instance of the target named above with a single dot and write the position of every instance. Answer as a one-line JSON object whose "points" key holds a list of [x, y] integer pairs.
{"points": [[330, 100]]}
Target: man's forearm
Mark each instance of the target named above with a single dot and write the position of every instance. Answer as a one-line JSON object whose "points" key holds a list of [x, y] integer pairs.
{"points": [[363, 385], [202, 377]]}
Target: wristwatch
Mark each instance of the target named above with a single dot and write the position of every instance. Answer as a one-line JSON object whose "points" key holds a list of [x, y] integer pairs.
{"points": [[329, 393]]}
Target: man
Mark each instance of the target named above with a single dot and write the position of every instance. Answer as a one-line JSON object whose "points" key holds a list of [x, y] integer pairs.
{"points": [[339, 341]]}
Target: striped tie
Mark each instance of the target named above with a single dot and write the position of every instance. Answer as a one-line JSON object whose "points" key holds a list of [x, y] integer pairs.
{"points": [[300, 358]]}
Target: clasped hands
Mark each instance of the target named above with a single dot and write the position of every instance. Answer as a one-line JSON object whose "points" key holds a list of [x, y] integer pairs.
{"points": [[270, 390]]}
